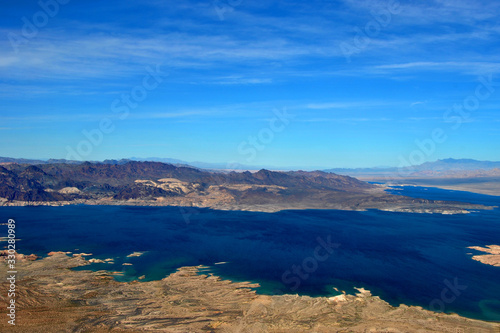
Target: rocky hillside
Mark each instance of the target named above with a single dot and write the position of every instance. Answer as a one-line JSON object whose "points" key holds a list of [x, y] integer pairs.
{"points": [[161, 184], [62, 182]]}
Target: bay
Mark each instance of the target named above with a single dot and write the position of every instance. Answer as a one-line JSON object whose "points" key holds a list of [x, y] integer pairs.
{"points": [[404, 258]]}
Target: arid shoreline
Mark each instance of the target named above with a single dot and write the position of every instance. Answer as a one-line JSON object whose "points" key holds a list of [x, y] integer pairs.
{"points": [[375, 198], [54, 298], [490, 256]]}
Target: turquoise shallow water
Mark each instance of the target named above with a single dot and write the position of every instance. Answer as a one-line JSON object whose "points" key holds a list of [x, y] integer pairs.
{"points": [[413, 259]]}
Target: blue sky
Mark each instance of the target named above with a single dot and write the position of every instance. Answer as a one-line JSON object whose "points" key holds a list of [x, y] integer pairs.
{"points": [[361, 83]]}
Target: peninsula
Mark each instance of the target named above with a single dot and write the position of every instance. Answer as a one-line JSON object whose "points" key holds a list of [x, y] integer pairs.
{"points": [[491, 254], [162, 184]]}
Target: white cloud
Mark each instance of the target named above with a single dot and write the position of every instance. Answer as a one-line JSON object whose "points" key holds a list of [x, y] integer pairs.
{"points": [[347, 105], [462, 67], [283, 47]]}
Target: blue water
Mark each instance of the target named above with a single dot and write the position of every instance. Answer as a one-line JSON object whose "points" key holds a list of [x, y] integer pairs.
{"points": [[433, 193], [401, 257]]}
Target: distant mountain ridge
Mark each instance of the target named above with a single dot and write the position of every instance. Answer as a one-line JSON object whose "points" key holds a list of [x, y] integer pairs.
{"points": [[202, 165], [449, 166], [174, 161]]}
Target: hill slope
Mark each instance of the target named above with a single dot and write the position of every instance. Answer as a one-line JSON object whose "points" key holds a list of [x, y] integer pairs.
{"points": [[154, 183]]}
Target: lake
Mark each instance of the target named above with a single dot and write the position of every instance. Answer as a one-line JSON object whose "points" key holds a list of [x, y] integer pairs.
{"points": [[414, 259]]}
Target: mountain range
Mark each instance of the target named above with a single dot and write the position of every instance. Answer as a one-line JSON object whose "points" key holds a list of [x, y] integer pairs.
{"points": [[162, 184], [443, 165], [195, 164]]}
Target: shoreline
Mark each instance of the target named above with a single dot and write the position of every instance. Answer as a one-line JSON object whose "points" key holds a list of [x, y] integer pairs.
{"points": [[441, 207], [489, 255], [461, 185], [188, 300]]}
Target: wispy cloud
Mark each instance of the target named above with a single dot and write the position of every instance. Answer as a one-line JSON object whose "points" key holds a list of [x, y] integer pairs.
{"points": [[241, 80], [465, 67], [346, 120], [348, 105], [251, 39], [172, 115], [263, 56], [436, 11], [417, 103]]}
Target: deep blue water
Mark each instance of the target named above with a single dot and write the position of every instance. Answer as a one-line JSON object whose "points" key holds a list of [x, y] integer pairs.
{"points": [[401, 257], [433, 193]]}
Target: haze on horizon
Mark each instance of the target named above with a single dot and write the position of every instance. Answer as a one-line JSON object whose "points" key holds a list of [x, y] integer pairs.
{"points": [[324, 84]]}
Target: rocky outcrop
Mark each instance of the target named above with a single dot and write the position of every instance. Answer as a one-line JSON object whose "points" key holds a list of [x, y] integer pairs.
{"points": [[493, 256]]}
